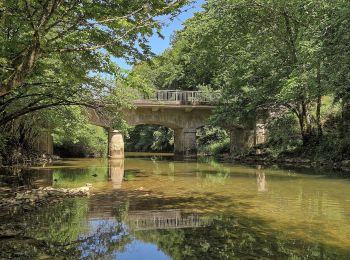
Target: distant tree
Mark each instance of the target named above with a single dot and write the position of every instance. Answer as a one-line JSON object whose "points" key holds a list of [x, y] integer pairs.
{"points": [[263, 55]]}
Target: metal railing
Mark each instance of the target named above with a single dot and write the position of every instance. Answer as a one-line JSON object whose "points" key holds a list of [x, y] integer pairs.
{"points": [[184, 97]]}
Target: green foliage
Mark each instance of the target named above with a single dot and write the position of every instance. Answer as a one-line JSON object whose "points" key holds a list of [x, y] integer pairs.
{"points": [[150, 138], [263, 56], [212, 140], [162, 72], [73, 135], [283, 133], [80, 37], [210, 134], [284, 139], [215, 148], [56, 54], [19, 140], [88, 140]]}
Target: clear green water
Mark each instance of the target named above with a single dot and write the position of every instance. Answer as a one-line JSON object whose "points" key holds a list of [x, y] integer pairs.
{"points": [[147, 208]]}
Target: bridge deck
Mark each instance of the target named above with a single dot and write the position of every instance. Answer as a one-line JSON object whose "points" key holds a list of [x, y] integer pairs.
{"points": [[180, 97], [170, 104]]}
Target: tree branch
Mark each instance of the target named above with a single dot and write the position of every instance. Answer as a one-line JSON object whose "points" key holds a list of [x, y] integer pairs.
{"points": [[31, 109]]}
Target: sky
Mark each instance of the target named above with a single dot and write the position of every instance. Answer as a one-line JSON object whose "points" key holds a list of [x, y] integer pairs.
{"points": [[159, 45]]}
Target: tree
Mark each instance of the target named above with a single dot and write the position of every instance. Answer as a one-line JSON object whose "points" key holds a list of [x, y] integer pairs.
{"points": [[264, 56], [54, 52], [269, 57], [337, 50]]}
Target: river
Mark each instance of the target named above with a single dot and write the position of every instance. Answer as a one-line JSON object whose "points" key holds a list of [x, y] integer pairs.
{"points": [[159, 208]]}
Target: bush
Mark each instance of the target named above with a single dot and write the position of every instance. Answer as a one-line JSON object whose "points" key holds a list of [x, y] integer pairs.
{"points": [[219, 147], [89, 141], [210, 134], [283, 134]]}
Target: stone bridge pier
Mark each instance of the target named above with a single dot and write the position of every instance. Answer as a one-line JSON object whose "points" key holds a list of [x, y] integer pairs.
{"points": [[115, 144], [185, 141]]}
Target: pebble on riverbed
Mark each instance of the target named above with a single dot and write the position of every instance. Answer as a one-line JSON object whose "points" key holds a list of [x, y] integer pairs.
{"points": [[30, 199]]}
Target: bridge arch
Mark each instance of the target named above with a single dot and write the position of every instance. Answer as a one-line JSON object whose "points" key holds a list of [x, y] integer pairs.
{"points": [[183, 119]]}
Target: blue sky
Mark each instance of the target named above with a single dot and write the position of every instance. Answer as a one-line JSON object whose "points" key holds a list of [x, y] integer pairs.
{"points": [[158, 45]]}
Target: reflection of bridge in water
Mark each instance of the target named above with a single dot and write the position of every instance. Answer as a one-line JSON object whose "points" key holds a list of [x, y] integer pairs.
{"points": [[164, 219], [138, 220]]}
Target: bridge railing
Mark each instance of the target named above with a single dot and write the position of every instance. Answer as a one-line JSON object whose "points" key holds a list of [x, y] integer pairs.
{"points": [[183, 97], [164, 219]]}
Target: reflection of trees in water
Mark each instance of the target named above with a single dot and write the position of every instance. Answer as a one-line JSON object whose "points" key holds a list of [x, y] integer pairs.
{"points": [[234, 238], [62, 231], [25, 178], [217, 177], [77, 177]]}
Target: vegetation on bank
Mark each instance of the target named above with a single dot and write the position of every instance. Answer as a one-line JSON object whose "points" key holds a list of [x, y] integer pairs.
{"points": [[153, 138]]}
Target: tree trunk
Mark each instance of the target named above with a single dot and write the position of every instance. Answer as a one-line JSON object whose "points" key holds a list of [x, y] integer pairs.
{"points": [[319, 102], [345, 128], [318, 117], [24, 66], [306, 129]]}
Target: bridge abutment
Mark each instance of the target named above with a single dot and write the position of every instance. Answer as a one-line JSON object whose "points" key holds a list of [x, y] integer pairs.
{"points": [[185, 142], [243, 139], [115, 145]]}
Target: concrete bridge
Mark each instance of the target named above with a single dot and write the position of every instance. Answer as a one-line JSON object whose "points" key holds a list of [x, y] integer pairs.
{"points": [[182, 111]]}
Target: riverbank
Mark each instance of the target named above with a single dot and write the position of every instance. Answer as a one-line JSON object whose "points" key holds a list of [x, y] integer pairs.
{"points": [[28, 159], [27, 200], [293, 161]]}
